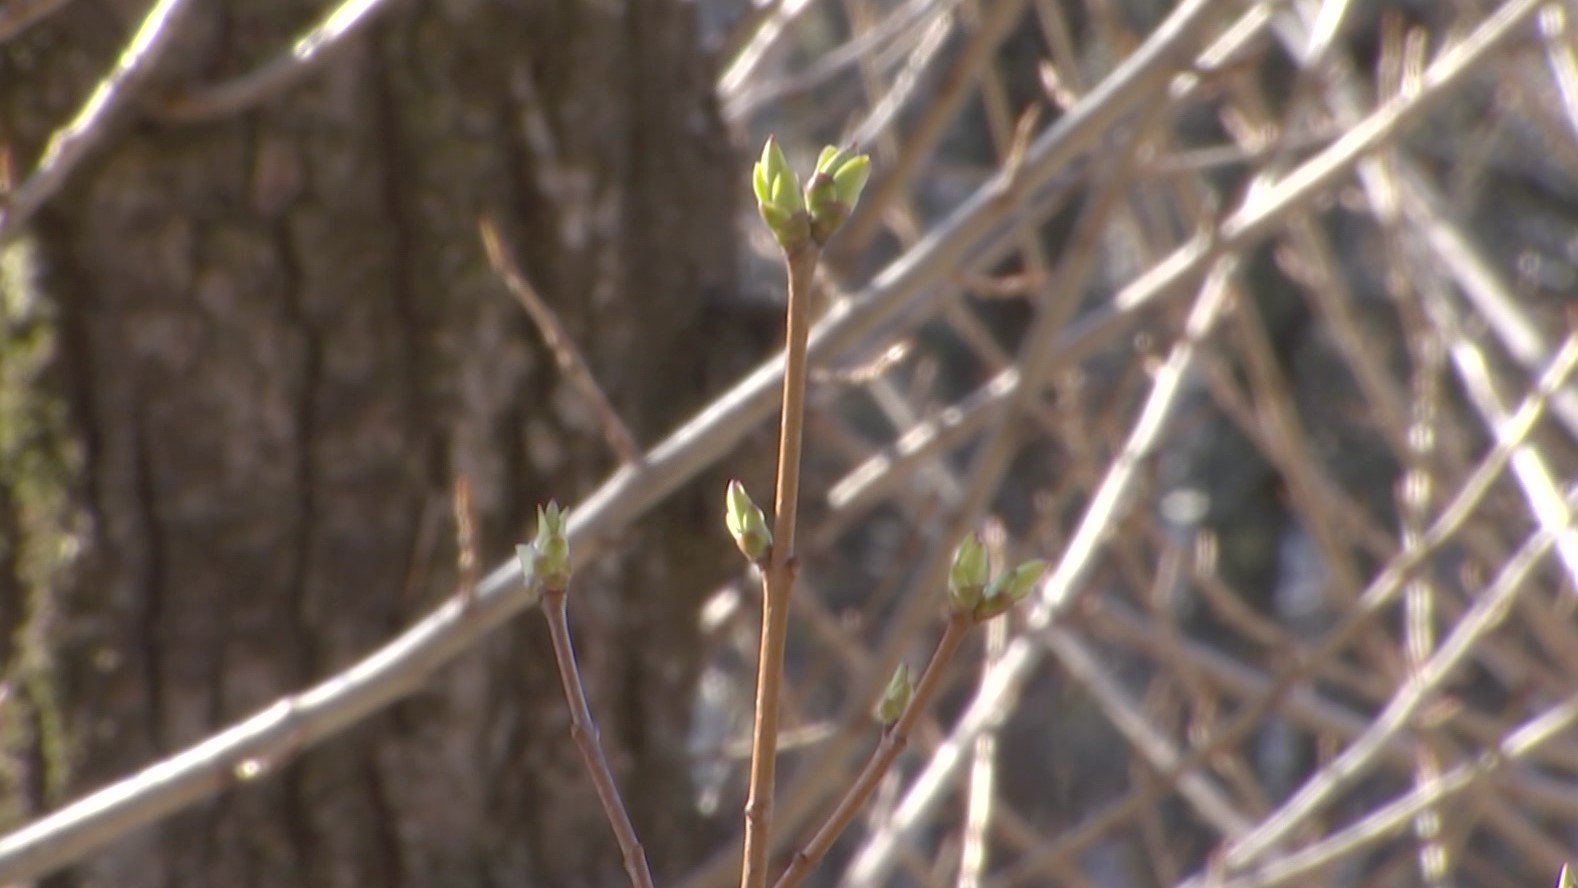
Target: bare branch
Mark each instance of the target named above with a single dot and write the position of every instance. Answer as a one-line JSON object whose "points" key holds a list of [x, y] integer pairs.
{"points": [[290, 67], [583, 729], [72, 142], [893, 742], [565, 353]]}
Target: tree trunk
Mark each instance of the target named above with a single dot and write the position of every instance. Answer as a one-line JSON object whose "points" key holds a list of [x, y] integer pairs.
{"points": [[274, 344]]}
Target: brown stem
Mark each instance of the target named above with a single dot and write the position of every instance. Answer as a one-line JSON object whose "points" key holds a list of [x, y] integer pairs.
{"points": [[894, 739], [779, 576], [584, 731], [572, 363]]}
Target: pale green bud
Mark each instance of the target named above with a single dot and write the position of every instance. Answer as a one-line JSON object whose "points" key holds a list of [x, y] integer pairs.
{"points": [[968, 575], [850, 180], [746, 523], [896, 697], [1009, 588], [550, 551], [834, 190], [779, 197]]}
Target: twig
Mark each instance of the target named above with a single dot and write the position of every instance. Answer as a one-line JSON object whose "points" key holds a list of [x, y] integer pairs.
{"points": [[1383, 589], [584, 731], [980, 798], [741, 96], [778, 580], [893, 742], [1489, 609], [304, 55], [1395, 815], [1246, 225], [1210, 802], [72, 142], [571, 362], [922, 136]]}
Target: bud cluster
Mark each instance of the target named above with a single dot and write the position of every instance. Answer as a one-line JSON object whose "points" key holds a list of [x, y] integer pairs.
{"points": [[973, 590], [546, 562], [801, 216]]}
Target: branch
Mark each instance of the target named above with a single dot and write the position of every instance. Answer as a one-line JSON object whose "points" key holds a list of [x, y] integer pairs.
{"points": [[262, 742], [778, 579], [1394, 816], [1245, 226], [304, 55], [894, 740], [72, 142], [565, 353], [584, 731]]}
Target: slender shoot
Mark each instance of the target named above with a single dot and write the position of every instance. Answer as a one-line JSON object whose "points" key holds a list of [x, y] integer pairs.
{"points": [[801, 220], [547, 562]]}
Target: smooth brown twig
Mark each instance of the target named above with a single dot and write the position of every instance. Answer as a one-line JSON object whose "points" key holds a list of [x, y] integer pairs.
{"points": [[569, 358], [778, 579], [894, 740], [584, 731]]}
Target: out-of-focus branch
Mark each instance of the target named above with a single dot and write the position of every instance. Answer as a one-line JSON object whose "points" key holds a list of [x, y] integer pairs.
{"points": [[893, 742], [1490, 607], [1267, 208], [280, 73], [565, 353], [73, 141], [1390, 818]]}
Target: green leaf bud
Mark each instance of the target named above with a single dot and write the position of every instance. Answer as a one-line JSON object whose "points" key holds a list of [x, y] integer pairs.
{"points": [[896, 697], [550, 551], [747, 524], [779, 197], [1009, 588], [850, 180], [968, 575], [834, 190]]}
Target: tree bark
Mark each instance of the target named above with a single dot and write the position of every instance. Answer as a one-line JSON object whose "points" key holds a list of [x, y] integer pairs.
{"points": [[276, 343]]}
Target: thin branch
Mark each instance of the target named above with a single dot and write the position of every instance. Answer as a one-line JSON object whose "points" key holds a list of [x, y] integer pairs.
{"points": [[1390, 818], [741, 96], [571, 362], [72, 142], [587, 739], [893, 742], [1381, 591], [922, 136], [980, 800], [871, 865], [778, 579], [1559, 55], [1490, 608], [1210, 802], [1243, 227], [304, 56], [1540, 489]]}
